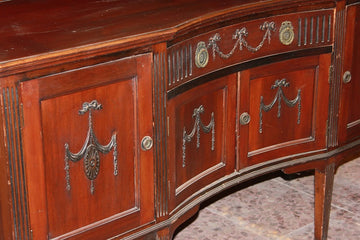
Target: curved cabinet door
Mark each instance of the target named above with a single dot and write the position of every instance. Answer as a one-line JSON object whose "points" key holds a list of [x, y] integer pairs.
{"points": [[88, 177], [287, 102], [349, 116], [201, 145]]}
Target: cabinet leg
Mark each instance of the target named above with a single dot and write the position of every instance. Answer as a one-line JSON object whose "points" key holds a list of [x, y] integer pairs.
{"points": [[164, 234], [324, 180]]}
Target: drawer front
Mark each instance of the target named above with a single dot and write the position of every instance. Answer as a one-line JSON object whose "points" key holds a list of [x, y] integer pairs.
{"points": [[94, 174], [201, 136], [241, 42], [287, 107], [349, 116]]}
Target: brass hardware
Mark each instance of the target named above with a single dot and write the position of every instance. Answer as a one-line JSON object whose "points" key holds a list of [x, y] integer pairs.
{"points": [[347, 77], [198, 125], [201, 55], [279, 84], [240, 37], [286, 33], [245, 118], [90, 150], [146, 143]]}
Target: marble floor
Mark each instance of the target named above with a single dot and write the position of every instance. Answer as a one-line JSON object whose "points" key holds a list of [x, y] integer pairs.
{"points": [[278, 208]]}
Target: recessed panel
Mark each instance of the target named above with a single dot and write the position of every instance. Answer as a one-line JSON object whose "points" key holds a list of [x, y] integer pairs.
{"points": [[281, 109], [91, 160], [201, 133]]}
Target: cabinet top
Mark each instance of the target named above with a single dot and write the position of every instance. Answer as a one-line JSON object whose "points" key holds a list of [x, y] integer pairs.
{"points": [[36, 29]]}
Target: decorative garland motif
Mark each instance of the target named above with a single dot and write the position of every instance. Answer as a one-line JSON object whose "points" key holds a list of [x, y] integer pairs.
{"points": [[280, 95], [90, 150], [197, 126], [241, 41]]}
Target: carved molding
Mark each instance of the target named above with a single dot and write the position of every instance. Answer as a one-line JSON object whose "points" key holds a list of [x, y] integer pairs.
{"points": [[196, 129], [336, 77], [12, 120], [90, 150], [241, 35], [159, 93], [279, 84]]}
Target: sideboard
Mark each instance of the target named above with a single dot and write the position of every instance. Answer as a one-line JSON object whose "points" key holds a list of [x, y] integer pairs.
{"points": [[119, 118]]}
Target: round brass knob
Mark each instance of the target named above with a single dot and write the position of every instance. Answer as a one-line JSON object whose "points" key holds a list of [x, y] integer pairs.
{"points": [[347, 77], [201, 55], [146, 143], [245, 118], [286, 33]]}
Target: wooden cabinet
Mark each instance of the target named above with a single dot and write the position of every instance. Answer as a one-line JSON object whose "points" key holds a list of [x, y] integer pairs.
{"points": [[349, 115], [281, 109], [89, 165], [201, 136]]}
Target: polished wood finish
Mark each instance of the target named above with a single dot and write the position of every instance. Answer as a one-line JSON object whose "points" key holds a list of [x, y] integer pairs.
{"points": [[206, 157], [321, 36], [131, 202], [140, 60], [284, 130], [349, 114], [324, 179]]}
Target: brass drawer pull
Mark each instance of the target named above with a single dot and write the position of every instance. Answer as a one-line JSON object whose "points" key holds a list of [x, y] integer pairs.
{"points": [[201, 55], [286, 33], [245, 118], [347, 77], [146, 143]]}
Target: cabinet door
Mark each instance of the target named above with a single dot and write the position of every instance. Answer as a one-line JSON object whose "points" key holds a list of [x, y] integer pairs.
{"points": [[87, 175], [349, 116], [201, 136], [283, 109]]}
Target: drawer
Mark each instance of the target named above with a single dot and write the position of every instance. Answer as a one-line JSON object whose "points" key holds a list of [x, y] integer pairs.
{"points": [[88, 177], [284, 111], [245, 41], [201, 145]]}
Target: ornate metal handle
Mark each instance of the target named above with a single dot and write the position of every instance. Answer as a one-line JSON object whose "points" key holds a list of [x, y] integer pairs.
{"points": [[146, 143], [286, 33], [347, 77], [201, 55], [245, 118]]}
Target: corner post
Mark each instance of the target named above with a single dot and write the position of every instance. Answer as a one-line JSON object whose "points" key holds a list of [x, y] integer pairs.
{"points": [[324, 179]]}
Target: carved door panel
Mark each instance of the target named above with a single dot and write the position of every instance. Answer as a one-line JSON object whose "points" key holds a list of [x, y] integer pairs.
{"points": [[284, 112], [88, 176], [201, 136], [349, 116]]}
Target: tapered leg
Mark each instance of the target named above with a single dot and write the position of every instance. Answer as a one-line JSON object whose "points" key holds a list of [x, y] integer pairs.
{"points": [[164, 234], [324, 180]]}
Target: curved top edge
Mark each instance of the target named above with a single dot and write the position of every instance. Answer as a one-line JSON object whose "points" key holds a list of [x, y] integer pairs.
{"points": [[42, 31]]}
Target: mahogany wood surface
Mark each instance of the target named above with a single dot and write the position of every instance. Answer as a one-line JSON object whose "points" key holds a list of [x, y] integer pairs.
{"points": [[349, 114], [140, 60], [285, 130], [203, 163], [324, 180], [125, 199], [226, 44], [33, 31]]}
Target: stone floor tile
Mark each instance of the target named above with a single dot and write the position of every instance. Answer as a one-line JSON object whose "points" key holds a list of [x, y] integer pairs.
{"points": [[210, 226], [277, 209]]}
